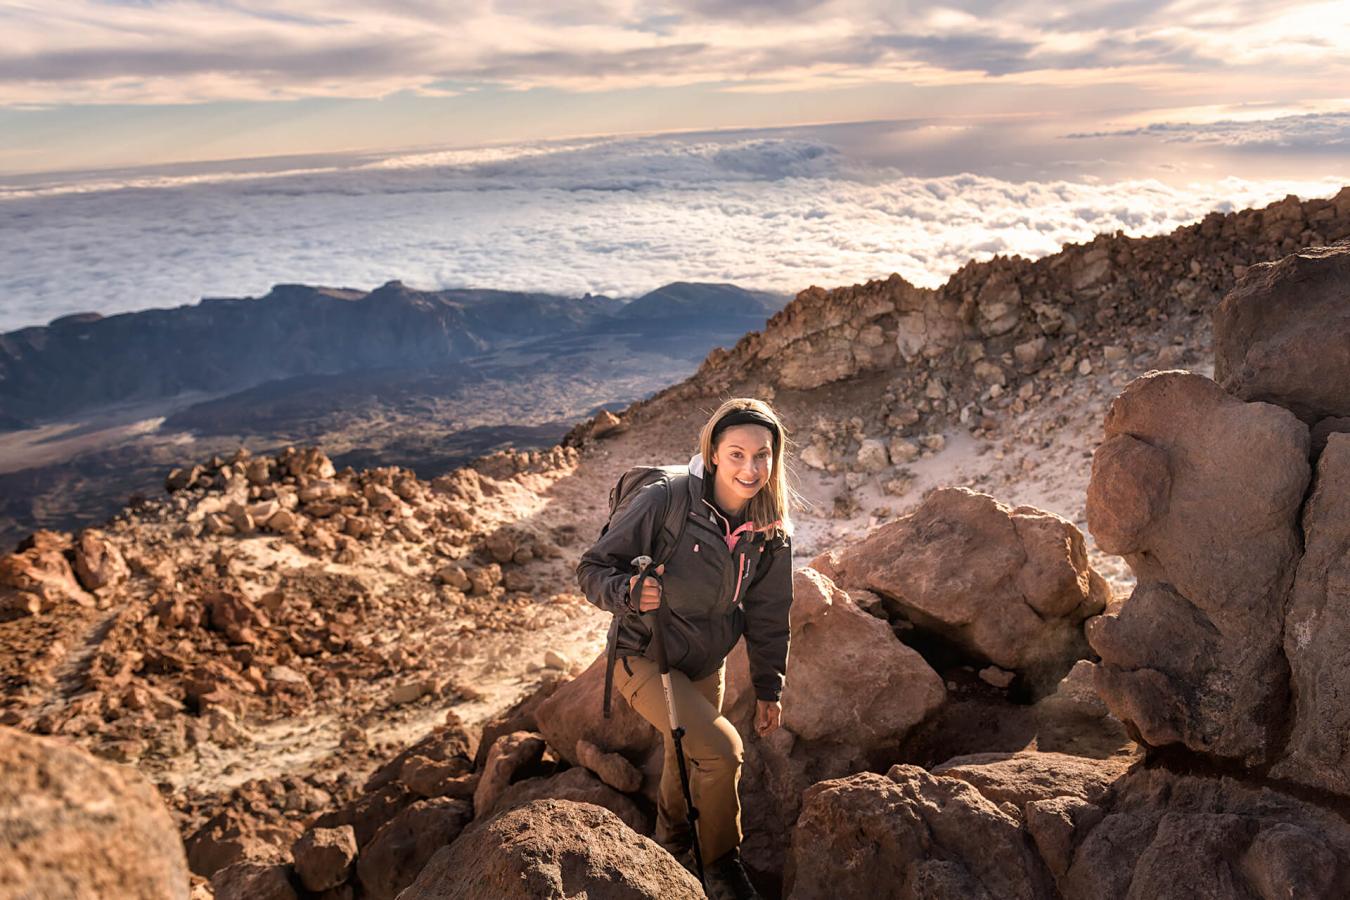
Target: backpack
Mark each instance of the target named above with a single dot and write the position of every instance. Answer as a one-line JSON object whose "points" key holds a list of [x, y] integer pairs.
{"points": [[667, 538]]}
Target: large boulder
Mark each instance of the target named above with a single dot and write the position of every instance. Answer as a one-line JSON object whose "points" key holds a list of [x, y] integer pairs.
{"points": [[38, 577], [1009, 586], [1169, 836], [98, 562], [74, 826], [1200, 492], [1282, 335], [1317, 632], [580, 786], [574, 712], [853, 692], [910, 834], [399, 850], [553, 848]]}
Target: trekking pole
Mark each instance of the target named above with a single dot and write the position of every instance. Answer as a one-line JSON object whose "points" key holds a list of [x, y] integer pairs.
{"points": [[658, 637]]}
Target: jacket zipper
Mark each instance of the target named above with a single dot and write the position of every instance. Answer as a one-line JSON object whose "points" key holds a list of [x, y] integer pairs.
{"points": [[740, 573]]}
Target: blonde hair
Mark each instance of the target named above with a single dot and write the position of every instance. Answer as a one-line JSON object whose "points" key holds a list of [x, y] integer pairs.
{"points": [[774, 502]]}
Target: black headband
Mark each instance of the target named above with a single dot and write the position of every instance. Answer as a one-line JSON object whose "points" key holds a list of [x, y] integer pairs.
{"points": [[746, 417]]}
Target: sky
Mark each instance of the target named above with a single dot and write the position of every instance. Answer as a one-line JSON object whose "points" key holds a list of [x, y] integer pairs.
{"points": [[153, 153], [86, 84]]}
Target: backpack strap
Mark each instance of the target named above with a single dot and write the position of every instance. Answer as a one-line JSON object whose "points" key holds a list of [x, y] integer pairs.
{"points": [[667, 539]]}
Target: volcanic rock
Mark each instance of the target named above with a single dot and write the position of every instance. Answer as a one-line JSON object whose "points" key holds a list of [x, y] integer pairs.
{"points": [[553, 848]]}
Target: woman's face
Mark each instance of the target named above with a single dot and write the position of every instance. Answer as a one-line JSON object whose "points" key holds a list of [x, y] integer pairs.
{"points": [[744, 459]]}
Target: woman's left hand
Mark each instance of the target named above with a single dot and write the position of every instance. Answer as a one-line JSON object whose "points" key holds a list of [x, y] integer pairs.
{"points": [[767, 716]]}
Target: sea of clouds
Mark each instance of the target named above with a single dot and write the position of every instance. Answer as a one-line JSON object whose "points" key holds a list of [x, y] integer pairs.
{"points": [[618, 216]]}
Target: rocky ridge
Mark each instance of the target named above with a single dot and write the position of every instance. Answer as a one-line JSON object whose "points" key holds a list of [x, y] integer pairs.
{"points": [[1013, 821]]}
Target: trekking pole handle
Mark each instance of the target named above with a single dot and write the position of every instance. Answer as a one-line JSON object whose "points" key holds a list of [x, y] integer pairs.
{"points": [[642, 564]]}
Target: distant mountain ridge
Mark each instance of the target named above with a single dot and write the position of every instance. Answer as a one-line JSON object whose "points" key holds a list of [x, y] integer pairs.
{"points": [[86, 360]]}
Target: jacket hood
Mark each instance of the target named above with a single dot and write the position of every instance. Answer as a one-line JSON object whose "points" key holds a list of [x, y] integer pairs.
{"points": [[696, 465]]}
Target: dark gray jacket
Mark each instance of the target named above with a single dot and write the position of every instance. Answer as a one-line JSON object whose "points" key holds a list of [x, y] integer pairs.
{"points": [[715, 592]]}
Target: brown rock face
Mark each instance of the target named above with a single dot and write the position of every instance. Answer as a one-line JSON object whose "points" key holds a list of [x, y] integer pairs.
{"points": [[852, 693], [1282, 335], [909, 835], [1171, 836], [1193, 656], [511, 753], [324, 856], [1022, 778], [1317, 632], [849, 679], [97, 562], [38, 577], [1010, 586], [580, 786], [73, 826], [553, 848], [402, 847], [575, 712]]}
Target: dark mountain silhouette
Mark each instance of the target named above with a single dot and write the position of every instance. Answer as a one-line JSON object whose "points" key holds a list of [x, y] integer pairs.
{"points": [[87, 361]]}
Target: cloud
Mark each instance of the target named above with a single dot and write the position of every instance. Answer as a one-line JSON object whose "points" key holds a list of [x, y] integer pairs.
{"points": [[84, 51], [1311, 132], [616, 216]]}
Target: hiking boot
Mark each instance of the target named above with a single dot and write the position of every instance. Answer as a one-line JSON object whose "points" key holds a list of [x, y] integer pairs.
{"points": [[727, 879]]}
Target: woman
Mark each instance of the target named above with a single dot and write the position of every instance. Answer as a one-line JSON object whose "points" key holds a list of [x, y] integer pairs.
{"points": [[730, 575]]}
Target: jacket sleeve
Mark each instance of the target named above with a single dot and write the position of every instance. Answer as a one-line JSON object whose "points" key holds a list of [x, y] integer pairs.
{"points": [[605, 568], [767, 603]]}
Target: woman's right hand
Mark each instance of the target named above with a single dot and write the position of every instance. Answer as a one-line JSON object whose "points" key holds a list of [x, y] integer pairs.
{"points": [[651, 591]]}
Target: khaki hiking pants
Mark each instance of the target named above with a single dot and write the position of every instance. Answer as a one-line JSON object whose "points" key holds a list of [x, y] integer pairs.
{"points": [[712, 751]]}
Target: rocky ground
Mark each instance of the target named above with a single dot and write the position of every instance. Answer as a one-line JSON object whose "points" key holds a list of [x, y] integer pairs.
{"points": [[365, 662]]}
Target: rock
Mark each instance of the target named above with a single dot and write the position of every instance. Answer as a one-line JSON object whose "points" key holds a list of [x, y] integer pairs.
{"points": [[1011, 587], [511, 753], [890, 688], [501, 545], [1282, 335], [574, 711], [1022, 778], [578, 785], [613, 769], [1323, 429], [999, 678], [903, 451], [483, 579], [1317, 632], [229, 837], [307, 463], [431, 778], [38, 577], [235, 616], [555, 660], [409, 691], [553, 848], [916, 834], [449, 744], [74, 826], [933, 442], [1193, 656], [520, 717], [283, 521], [324, 857], [368, 812], [98, 563], [1166, 835], [253, 880], [852, 693], [872, 456], [453, 576], [399, 851]]}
